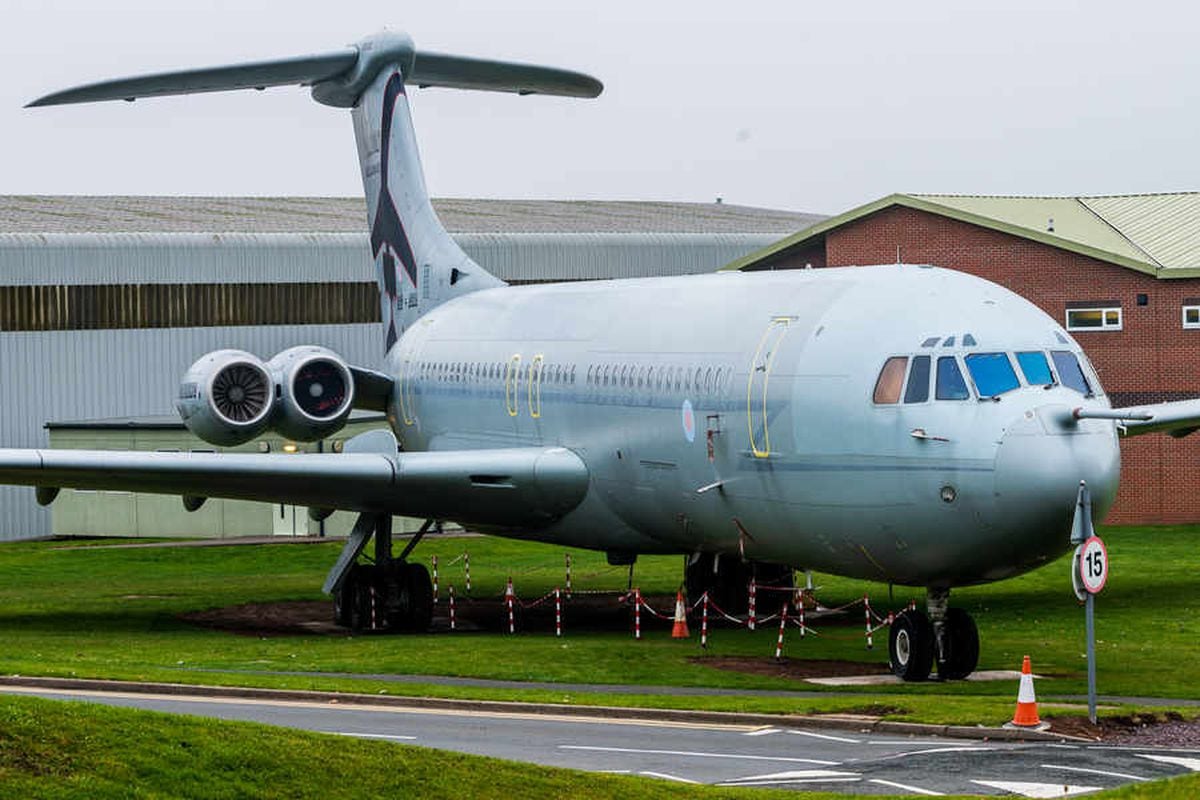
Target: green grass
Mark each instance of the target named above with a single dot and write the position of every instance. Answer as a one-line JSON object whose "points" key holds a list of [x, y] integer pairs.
{"points": [[113, 613]]}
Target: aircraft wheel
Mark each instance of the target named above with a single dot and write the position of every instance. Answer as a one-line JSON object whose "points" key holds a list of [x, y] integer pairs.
{"points": [[366, 604], [343, 601], [418, 598], [962, 646], [910, 646]]}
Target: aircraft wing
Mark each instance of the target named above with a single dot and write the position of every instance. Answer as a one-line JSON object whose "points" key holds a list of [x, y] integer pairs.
{"points": [[515, 486], [1177, 419]]}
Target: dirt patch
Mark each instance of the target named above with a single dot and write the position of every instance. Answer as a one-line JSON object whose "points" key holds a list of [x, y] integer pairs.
{"points": [[795, 669], [1168, 729], [270, 619]]}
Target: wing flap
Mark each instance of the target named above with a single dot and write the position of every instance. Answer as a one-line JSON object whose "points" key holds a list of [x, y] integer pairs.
{"points": [[509, 487]]}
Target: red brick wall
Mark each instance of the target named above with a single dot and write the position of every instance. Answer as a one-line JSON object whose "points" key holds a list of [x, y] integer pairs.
{"points": [[1160, 476]]}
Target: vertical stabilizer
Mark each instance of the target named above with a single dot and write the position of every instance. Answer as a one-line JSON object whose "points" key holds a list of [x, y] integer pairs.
{"points": [[417, 264]]}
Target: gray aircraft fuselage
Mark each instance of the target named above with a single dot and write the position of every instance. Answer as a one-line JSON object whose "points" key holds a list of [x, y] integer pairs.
{"points": [[735, 412]]}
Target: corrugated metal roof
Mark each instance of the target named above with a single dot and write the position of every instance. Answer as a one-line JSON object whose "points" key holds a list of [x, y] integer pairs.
{"points": [[117, 214], [1158, 234]]}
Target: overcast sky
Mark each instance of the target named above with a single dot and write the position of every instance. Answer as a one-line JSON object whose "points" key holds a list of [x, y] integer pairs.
{"points": [[798, 105]]}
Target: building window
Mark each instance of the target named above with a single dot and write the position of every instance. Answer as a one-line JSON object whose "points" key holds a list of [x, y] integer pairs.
{"points": [[1097, 318], [1191, 316]]}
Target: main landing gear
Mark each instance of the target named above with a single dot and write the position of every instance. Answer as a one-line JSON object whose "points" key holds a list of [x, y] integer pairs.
{"points": [[945, 636], [391, 594], [727, 579]]}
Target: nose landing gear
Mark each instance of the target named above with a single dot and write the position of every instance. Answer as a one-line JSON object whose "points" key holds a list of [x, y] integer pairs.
{"points": [[945, 637]]}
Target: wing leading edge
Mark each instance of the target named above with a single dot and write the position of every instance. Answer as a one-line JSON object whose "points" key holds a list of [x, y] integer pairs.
{"points": [[507, 487], [1178, 418]]}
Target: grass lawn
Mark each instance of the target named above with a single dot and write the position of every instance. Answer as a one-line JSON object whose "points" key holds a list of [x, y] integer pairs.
{"points": [[94, 612]]}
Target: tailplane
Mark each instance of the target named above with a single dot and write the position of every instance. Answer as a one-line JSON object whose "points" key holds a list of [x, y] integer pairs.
{"points": [[417, 263]]}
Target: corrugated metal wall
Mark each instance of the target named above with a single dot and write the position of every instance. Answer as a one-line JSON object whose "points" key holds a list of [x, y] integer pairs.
{"points": [[68, 375]]}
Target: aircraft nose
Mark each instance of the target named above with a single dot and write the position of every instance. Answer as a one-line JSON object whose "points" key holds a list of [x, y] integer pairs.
{"points": [[1040, 462]]}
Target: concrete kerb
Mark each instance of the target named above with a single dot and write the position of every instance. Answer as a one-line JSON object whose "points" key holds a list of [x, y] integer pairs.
{"points": [[831, 721]]}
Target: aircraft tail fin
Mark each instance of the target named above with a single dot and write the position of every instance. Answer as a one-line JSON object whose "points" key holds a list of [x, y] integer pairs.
{"points": [[418, 264]]}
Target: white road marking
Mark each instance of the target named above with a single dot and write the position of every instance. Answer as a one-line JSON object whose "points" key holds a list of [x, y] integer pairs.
{"points": [[389, 736], [1038, 789], [906, 787], [793, 780], [1191, 763], [932, 750], [806, 774], [664, 776], [1064, 746], [697, 754], [1096, 772], [825, 736], [761, 732]]}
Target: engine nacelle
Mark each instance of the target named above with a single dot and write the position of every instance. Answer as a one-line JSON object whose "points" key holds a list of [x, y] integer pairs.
{"points": [[227, 397], [316, 393]]}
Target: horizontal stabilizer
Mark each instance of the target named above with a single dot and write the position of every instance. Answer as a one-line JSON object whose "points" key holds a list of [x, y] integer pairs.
{"points": [[339, 77]]}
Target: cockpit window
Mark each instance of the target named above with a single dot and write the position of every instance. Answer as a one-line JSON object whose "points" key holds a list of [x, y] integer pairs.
{"points": [[950, 383], [891, 380], [1069, 372], [1036, 370], [992, 372], [918, 381]]}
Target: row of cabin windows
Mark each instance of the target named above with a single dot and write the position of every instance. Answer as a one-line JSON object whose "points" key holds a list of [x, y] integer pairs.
{"points": [[992, 374], [479, 371], [663, 378]]}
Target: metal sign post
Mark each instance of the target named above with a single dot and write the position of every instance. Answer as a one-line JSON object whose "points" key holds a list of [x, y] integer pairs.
{"points": [[1089, 574]]}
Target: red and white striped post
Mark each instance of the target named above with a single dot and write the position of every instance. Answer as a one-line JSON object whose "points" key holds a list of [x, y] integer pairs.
{"points": [[704, 621], [467, 569], [453, 622], [558, 612], [782, 625], [802, 620], [867, 616], [568, 584], [637, 613], [509, 597], [435, 579], [750, 603]]}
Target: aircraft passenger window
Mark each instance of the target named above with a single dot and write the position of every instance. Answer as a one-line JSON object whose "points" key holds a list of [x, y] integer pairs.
{"points": [[891, 380], [589, 376], [708, 381], [992, 372], [1069, 372], [950, 383], [918, 381], [1036, 370], [572, 373], [699, 376]]}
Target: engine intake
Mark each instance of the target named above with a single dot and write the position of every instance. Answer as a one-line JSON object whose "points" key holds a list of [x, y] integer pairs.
{"points": [[226, 397], [316, 392]]}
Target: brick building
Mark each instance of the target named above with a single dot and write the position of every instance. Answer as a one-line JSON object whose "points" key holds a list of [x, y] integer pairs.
{"points": [[1121, 273]]}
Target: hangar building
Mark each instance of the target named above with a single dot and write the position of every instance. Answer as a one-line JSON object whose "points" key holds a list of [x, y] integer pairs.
{"points": [[105, 301], [1122, 273]]}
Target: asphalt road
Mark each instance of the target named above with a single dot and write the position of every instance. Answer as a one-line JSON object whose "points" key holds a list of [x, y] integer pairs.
{"points": [[726, 755]]}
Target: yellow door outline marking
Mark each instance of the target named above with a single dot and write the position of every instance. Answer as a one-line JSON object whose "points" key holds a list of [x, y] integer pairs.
{"points": [[774, 334], [407, 412], [511, 398], [535, 391]]}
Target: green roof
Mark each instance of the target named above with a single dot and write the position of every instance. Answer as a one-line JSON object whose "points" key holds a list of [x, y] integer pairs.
{"points": [[1158, 234]]}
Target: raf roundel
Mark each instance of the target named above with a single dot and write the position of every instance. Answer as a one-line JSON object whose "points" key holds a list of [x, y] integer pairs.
{"points": [[688, 417]]}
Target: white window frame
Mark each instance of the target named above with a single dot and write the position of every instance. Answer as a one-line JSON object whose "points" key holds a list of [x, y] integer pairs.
{"points": [[1183, 316], [1104, 324]]}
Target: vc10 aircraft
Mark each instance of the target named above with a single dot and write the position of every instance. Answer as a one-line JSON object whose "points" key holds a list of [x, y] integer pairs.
{"points": [[897, 423]]}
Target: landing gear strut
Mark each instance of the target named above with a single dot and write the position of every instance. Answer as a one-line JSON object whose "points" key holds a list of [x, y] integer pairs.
{"points": [[945, 636], [391, 594], [727, 579]]}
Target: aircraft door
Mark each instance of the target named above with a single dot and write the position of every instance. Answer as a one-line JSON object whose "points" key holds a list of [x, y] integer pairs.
{"points": [[757, 411], [512, 385], [535, 385]]}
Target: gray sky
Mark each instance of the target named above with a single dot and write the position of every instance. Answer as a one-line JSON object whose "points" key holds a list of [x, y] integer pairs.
{"points": [[797, 105]]}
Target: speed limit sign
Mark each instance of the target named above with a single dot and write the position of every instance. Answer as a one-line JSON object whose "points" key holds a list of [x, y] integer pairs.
{"points": [[1092, 563]]}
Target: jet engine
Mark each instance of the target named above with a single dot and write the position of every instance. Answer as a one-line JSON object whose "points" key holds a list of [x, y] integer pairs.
{"points": [[316, 393], [227, 397]]}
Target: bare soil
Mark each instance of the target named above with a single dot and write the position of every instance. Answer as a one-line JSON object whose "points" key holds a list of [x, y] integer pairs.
{"points": [[1168, 729]]}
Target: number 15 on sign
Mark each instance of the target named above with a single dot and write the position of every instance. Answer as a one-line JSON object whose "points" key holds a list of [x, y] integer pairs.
{"points": [[1089, 573]]}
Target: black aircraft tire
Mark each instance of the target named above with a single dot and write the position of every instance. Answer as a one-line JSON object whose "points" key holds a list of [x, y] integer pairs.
{"points": [[362, 605], [910, 646], [418, 594], [962, 646], [343, 602]]}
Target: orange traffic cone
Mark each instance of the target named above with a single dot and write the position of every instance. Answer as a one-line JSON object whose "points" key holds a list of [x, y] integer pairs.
{"points": [[1026, 715], [680, 630]]}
